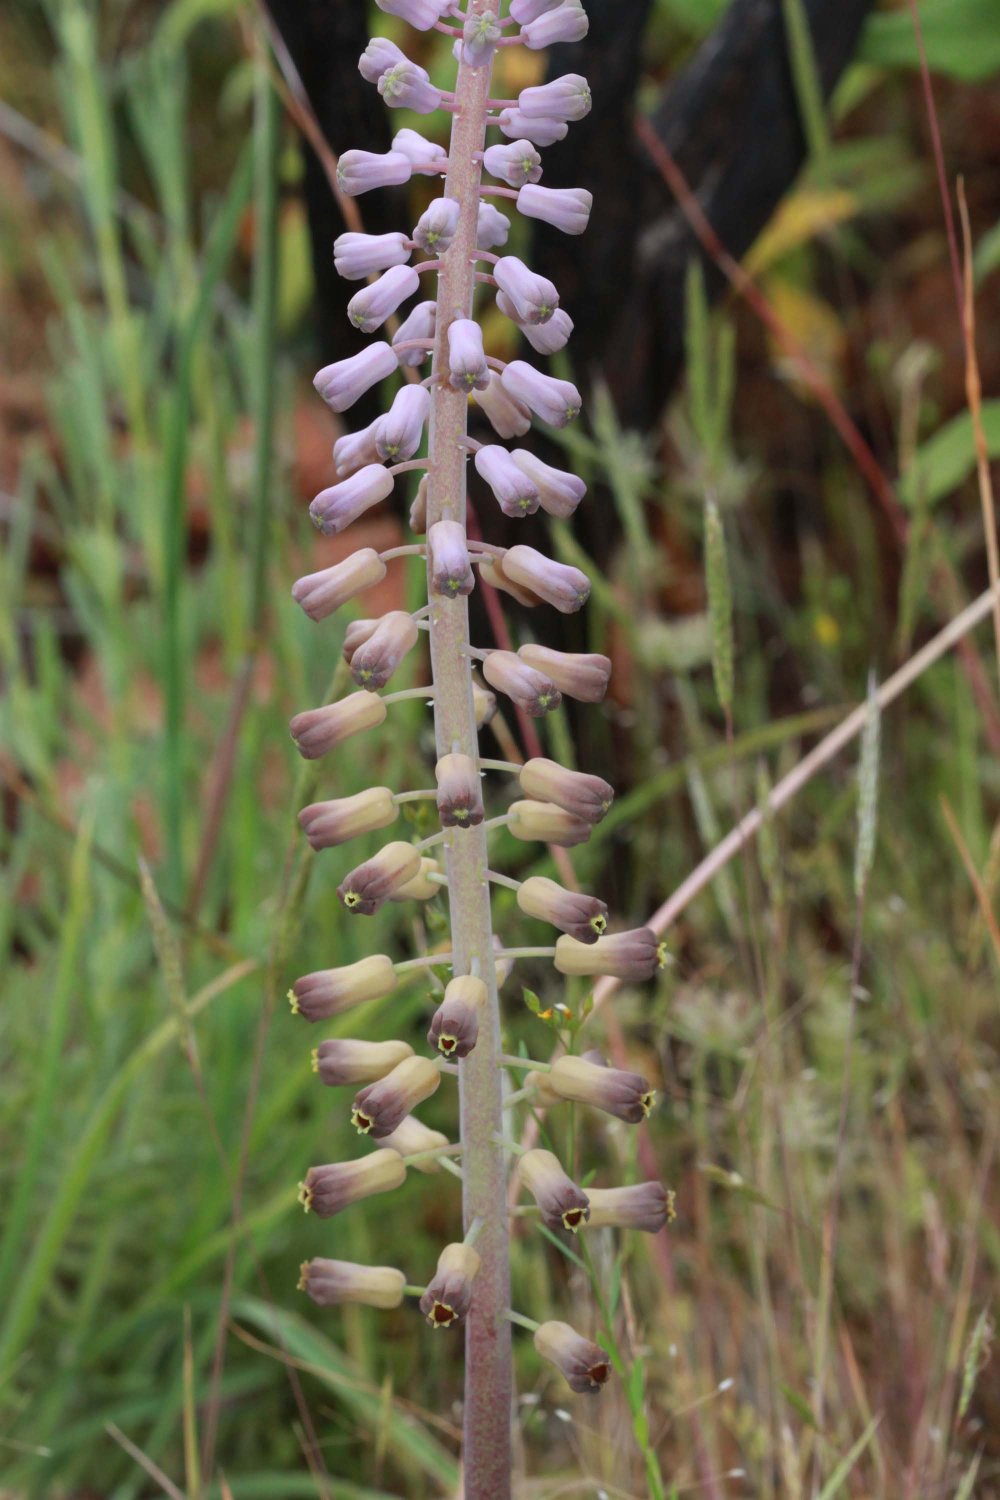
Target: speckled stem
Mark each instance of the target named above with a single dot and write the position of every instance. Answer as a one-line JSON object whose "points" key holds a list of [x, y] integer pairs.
{"points": [[488, 1381]]}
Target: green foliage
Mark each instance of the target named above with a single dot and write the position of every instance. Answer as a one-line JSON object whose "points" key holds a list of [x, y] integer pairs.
{"points": [[962, 38]]}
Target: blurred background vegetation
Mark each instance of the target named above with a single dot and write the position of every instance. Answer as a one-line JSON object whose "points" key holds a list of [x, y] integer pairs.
{"points": [[160, 444]]}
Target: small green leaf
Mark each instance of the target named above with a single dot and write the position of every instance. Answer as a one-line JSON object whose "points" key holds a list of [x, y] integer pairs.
{"points": [[734, 1183], [800, 1406], [945, 460]]}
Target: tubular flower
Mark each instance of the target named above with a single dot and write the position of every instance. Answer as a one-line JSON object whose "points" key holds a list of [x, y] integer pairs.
{"points": [[507, 416], [583, 917], [317, 730], [545, 338], [584, 1364], [515, 164], [375, 661], [480, 35], [583, 675], [625, 1095], [329, 991], [405, 86], [559, 584], [516, 494], [320, 594], [327, 824], [529, 689], [412, 1138], [342, 383], [491, 571], [381, 1107], [533, 298], [435, 229], [583, 796], [419, 887], [454, 1027], [448, 559], [567, 23], [449, 1293], [345, 1061], [523, 11], [360, 171], [369, 308], [492, 227], [565, 98], [647, 1206], [466, 360], [624, 955], [342, 503], [567, 209], [355, 636], [546, 824], [559, 493], [400, 432], [543, 130], [421, 152], [561, 1203], [555, 401], [484, 704], [356, 256], [421, 14], [331, 1282], [368, 887], [418, 327], [326, 1190], [379, 55], [354, 450], [459, 792]]}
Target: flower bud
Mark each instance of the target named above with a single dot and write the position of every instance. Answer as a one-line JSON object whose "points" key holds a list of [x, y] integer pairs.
{"points": [[448, 554], [379, 55], [374, 662], [435, 229], [343, 1060], [360, 171], [317, 730], [420, 887], [584, 1364], [523, 11], [583, 796], [369, 308], [480, 35], [321, 593], [407, 86], [516, 494], [583, 917], [546, 824], [341, 384], [419, 325], [411, 1138], [561, 1203], [327, 992], [459, 792], [454, 1027], [545, 1097], [546, 338], [331, 1282], [543, 130], [449, 1293], [555, 401], [326, 1190], [529, 689], [626, 1095], [398, 434], [567, 209], [559, 584], [421, 14], [647, 1206], [567, 23], [327, 824], [565, 98], [515, 164], [466, 360], [559, 492], [381, 1107], [484, 704], [583, 675], [355, 636], [354, 450], [507, 417], [335, 508], [491, 571], [356, 256], [418, 510], [368, 887], [623, 955], [492, 227], [533, 297], [421, 152]]}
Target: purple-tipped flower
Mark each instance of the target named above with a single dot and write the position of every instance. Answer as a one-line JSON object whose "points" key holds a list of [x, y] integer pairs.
{"points": [[567, 209], [567, 23], [327, 992], [358, 631], [625, 1095], [354, 450], [555, 401], [318, 730], [546, 338], [492, 227], [328, 824], [515, 164], [583, 796], [407, 86], [419, 325], [516, 494], [583, 917], [321, 593], [543, 130], [341, 384], [381, 1107], [454, 1027], [560, 584], [646, 1206], [459, 792], [533, 297], [399, 433], [561, 1203], [559, 492], [491, 572], [480, 35], [356, 256], [584, 1364], [565, 98], [326, 1190], [435, 229], [420, 14], [523, 11], [374, 662], [507, 417], [342, 1061], [448, 1297], [379, 55], [368, 887], [360, 171], [421, 152], [332, 1282], [466, 360], [529, 689], [420, 887], [448, 556], [342, 503], [582, 674], [369, 308], [623, 955], [544, 823]]}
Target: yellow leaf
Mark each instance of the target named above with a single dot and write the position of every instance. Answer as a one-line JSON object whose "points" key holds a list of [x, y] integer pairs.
{"points": [[815, 326], [800, 219]]}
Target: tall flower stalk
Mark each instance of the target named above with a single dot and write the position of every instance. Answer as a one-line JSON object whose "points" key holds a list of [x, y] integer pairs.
{"points": [[457, 236]]}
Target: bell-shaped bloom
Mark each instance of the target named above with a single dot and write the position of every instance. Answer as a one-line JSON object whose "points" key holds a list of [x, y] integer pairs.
{"points": [[353, 450], [567, 209], [567, 23], [360, 171], [420, 14], [543, 130], [565, 98], [618, 1092], [491, 572], [492, 227], [327, 992], [530, 690], [523, 11], [533, 297], [326, 1190], [555, 401], [584, 1364], [374, 662], [544, 823], [546, 338], [448, 558], [583, 675], [319, 594], [329, 824], [422, 152], [515, 164], [484, 705], [381, 1106], [516, 494], [358, 631], [583, 917], [332, 1282], [448, 1297], [459, 791], [561, 1203], [412, 1137], [356, 256], [419, 325], [454, 1026], [344, 1061], [379, 55], [467, 365], [508, 417], [646, 1205], [399, 433], [418, 510], [578, 793], [369, 308], [344, 502], [420, 886], [437, 225], [341, 384], [368, 887], [623, 955], [558, 491], [480, 35], [407, 86], [317, 730], [559, 584]]}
